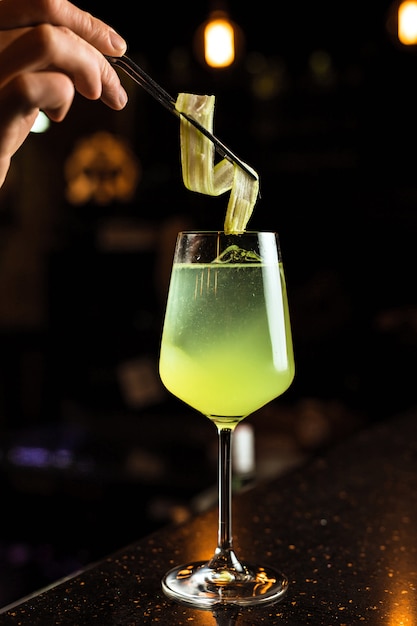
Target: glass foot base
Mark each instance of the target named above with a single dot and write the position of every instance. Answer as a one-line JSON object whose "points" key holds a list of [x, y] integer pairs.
{"points": [[199, 585]]}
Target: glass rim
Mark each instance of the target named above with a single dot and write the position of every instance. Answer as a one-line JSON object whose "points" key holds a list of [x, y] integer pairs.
{"points": [[223, 232]]}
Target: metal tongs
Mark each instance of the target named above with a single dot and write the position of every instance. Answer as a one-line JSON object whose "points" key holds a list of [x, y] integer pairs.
{"points": [[156, 91]]}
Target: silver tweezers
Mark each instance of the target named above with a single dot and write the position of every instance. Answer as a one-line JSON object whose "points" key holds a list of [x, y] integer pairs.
{"points": [[156, 91]]}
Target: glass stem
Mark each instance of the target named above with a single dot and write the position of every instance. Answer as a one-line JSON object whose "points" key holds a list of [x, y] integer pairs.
{"points": [[225, 489], [225, 559]]}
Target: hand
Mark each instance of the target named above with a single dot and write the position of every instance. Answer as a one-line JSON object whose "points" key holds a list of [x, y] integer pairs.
{"points": [[48, 50]]}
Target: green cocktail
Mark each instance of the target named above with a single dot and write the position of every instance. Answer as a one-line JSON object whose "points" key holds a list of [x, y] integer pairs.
{"points": [[226, 347]]}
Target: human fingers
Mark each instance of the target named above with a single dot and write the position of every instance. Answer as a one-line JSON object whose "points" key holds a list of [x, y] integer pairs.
{"points": [[51, 92], [20, 102], [57, 48], [21, 13]]}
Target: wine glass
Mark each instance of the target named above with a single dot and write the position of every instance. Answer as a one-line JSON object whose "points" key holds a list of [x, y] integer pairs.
{"points": [[226, 350]]}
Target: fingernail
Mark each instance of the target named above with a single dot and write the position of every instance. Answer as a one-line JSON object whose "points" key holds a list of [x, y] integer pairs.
{"points": [[118, 42], [122, 97]]}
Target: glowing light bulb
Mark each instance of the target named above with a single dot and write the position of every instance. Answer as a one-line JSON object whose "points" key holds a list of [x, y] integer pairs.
{"points": [[407, 22], [219, 41]]}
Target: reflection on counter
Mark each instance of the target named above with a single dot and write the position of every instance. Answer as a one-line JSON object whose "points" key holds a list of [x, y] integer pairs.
{"points": [[77, 491]]}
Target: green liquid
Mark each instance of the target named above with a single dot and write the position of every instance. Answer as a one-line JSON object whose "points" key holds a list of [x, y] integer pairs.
{"points": [[226, 345]]}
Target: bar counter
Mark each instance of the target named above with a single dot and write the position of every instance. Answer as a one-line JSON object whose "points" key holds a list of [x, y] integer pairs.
{"points": [[343, 528]]}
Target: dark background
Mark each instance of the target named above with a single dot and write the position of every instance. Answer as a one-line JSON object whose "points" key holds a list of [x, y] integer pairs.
{"points": [[94, 453]]}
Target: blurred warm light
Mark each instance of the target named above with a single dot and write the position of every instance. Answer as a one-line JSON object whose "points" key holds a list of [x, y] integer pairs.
{"points": [[101, 169], [321, 67], [267, 75], [400, 609], [219, 40], [407, 22]]}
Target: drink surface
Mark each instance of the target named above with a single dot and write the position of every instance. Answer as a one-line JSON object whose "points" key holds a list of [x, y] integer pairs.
{"points": [[226, 345]]}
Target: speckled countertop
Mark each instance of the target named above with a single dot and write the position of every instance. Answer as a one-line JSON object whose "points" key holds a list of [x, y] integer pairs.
{"points": [[343, 528]]}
